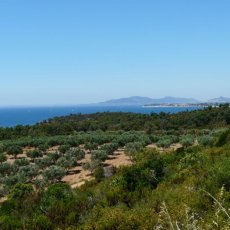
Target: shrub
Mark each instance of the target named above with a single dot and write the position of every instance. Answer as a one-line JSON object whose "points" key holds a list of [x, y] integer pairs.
{"points": [[54, 174], [187, 141], [91, 146], [2, 157], [223, 138], [99, 173], [44, 162], [133, 147], [43, 147], [206, 140], [34, 154], [75, 153], [43, 222], [67, 163], [7, 169], [10, 181], [21, 191], [21, 162], [63, 148], [29, 171], [14, 150], [100, 155]]}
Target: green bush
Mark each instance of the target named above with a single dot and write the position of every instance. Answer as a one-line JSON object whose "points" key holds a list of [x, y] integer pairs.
{"points": [[187, 141], [99, 173], [100, 155], [54, 174], [14, 150], [21, 191]]}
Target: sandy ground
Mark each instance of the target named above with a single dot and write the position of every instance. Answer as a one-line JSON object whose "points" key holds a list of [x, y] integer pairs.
{"points": [[53, 149], [3, 199], [173, 147], [78, 176], [118, 159]]}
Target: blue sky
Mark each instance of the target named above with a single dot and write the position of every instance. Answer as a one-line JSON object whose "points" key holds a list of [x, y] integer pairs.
{"points": [[75, 51]]}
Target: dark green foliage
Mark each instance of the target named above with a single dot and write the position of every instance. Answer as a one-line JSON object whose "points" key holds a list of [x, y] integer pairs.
{"points": [[29, 171], [34, 154], [133, 147], [63, 148], [42, 222], [8, 169], [187, 141], [118, 121], [67, 162], [44, 162], [224, 138], [14, 150], [91, 146], [54, 174], [21, 191], [99, 173], [100, 155], [75, 153], [161, 190], [206, 140], [2, 157], [109, 148], [43, 147]]}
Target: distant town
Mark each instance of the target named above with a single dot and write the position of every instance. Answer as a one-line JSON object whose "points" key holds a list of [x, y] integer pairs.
{"points": [[206, 104]]}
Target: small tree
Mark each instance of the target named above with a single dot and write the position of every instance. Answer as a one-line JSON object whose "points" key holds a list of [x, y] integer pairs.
{"points": [[100, 155], [29, 171], [187, 141], [44, 162], [63, 149], [99, 173], [67, 163], [54, 174], [14, 150], [7, 169], [34, 154], [43, 147], [21, 162], [21, 191], [2, 157]]}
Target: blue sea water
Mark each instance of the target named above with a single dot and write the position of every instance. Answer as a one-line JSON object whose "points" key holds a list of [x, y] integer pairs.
{"points": [[28, 116]]}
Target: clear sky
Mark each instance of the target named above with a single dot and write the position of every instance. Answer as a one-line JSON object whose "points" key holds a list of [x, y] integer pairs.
{"points": [[82, 51]]}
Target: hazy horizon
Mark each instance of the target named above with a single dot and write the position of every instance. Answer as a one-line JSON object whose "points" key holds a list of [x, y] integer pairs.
{"points": [[79, 52], [96, 103]]}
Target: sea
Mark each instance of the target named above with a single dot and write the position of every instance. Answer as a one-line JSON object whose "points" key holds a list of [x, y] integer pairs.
{"points": [[10, 117]]}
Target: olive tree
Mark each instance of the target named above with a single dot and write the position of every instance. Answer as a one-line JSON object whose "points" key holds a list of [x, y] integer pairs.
{"points": [[14, 150], [54, 174], [34, 154], [2, 157]]}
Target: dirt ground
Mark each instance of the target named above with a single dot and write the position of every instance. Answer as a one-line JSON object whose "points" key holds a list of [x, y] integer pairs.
{"points": [[173, 147], [78, 176], [118, 159]]}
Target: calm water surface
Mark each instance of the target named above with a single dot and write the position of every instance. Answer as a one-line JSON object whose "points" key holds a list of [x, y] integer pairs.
{"points": [[27, 116]]}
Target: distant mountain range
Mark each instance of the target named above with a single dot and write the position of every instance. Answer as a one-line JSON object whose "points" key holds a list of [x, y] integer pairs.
{"points": [[220, 100], [136, 100]]}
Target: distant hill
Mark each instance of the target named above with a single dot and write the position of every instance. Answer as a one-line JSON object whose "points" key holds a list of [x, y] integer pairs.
{"points": [[174, 100], [220, 100], [136, 100]]}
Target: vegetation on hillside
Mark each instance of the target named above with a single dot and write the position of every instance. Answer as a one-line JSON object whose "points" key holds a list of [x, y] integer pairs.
{"points": [[188, 188]]}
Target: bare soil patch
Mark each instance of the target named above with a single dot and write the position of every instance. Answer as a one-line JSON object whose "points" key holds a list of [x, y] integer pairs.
{"points": [[119, 159], [173, 147], [76, 180]]}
